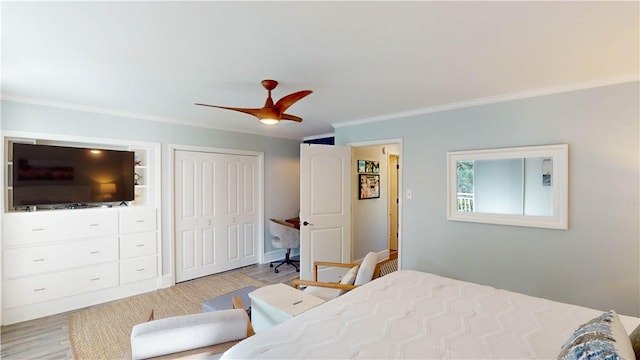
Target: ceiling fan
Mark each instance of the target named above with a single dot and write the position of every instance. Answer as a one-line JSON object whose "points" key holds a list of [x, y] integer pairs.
{"points": [[271, 114]]}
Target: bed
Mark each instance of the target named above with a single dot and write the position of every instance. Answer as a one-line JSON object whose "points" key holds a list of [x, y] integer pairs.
{"points": [[411, 314]]}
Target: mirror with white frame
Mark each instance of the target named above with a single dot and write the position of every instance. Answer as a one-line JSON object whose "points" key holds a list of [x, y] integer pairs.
{"points": [[520, 186]]}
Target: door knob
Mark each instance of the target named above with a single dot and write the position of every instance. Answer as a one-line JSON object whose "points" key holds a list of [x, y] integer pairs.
{"points": [[306, 223]]}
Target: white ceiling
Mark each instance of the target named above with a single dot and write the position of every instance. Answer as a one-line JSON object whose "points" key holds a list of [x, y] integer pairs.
{"points": [[363, 60]]}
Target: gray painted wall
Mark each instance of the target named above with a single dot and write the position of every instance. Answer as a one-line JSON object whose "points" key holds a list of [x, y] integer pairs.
{"points": [[281, 156], [596, 262]]}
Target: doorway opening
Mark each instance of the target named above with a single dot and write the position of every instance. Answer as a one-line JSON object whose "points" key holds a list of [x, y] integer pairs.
{"points": [[376, 224], [394, 201]]}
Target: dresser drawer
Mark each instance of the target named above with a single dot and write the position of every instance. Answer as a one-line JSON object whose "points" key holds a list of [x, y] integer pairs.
{"points": [[138, 269], [47, 226], [30, 228], [138, 244], [137, 219], [42, 259], [42, 288], [88, 223]]}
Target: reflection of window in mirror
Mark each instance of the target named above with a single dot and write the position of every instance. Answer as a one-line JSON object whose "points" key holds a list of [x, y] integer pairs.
{"points": [[505, 186], [538, 192], [514, 186], [465, 185]]}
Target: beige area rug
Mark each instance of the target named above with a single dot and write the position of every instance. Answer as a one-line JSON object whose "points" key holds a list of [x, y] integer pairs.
{"points": [[103, 331]]}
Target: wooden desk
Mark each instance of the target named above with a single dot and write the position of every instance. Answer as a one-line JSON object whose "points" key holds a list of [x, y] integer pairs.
{"points": [[295, 221]]}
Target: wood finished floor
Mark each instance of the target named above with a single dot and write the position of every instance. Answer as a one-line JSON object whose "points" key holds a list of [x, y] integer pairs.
{"points": [[47, 338]]}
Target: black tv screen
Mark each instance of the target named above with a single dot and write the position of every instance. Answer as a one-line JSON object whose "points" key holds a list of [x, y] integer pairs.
{"points": [[46, 174]]}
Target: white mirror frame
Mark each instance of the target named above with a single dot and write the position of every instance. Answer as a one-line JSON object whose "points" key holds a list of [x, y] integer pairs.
{"points": [[560, 180]]}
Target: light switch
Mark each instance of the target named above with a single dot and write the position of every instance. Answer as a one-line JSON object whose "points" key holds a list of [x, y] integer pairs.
{"points": [[409, 194]]}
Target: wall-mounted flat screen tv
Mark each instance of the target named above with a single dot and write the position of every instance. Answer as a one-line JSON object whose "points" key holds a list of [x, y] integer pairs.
{"points": [[46, 175]]}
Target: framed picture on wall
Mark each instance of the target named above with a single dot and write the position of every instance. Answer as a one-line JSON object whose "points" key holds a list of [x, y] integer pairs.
{"points": [[375, 167], [361, 166], [368, 166], [369, 186]]}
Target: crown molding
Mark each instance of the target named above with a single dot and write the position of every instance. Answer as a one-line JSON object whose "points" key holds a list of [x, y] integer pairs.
{"points": [[398, 115], [490, 100], [124, 114]]}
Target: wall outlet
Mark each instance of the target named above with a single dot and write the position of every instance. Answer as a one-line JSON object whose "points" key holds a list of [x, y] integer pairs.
{"points": [[409, 194]]}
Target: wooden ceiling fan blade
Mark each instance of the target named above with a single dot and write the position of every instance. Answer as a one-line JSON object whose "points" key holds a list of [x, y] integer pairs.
{"points": [[290, 117], [254, 112], [283, 104], [270, 113]]}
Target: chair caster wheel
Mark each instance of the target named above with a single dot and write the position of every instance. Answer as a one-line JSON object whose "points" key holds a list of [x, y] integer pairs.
{"points": [[276, 271], [270, 265]]}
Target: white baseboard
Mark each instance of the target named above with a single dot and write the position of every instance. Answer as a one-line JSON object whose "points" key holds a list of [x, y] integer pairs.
{"points": [[274, 255], [166, 281], [384, 254], [278, 255]]}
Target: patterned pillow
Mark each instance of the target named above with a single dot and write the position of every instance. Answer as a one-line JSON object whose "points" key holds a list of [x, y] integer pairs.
{"points": [[601, 338], [635, 341]]}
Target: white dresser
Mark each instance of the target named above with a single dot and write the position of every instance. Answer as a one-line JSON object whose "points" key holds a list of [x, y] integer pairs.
{"points": [[59, 260]]}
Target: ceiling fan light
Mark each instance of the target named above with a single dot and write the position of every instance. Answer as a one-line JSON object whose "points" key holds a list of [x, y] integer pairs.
{"points": [[269, 121]]}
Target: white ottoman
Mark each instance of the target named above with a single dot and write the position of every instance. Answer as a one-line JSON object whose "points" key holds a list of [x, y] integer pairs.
{"points": [[273, 304]]}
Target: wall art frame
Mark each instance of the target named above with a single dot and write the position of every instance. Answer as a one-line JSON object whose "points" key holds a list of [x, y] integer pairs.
{"points": [[369, 186], [368, 167]]}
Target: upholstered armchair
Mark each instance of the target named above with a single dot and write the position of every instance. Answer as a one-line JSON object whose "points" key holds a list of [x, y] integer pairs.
{"points": [[284, 236], [358, 274]]}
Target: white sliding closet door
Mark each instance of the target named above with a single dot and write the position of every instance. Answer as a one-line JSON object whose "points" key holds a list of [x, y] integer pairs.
{"points": [[216, 212]]}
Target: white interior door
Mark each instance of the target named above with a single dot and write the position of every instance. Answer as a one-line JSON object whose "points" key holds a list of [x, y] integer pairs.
{"points": [[216, 212], [325, 208]]}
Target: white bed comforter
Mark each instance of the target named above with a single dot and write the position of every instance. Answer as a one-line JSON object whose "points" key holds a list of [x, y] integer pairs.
{"points": [[410, 314]]}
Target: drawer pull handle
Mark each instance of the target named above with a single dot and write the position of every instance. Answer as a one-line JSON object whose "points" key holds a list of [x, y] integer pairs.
{"points": [[94, 252], [38, 229], [38, 260], [140, 221], [94, 279], [40, 289], [94, 224], [140, 245], [140, 270]]}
